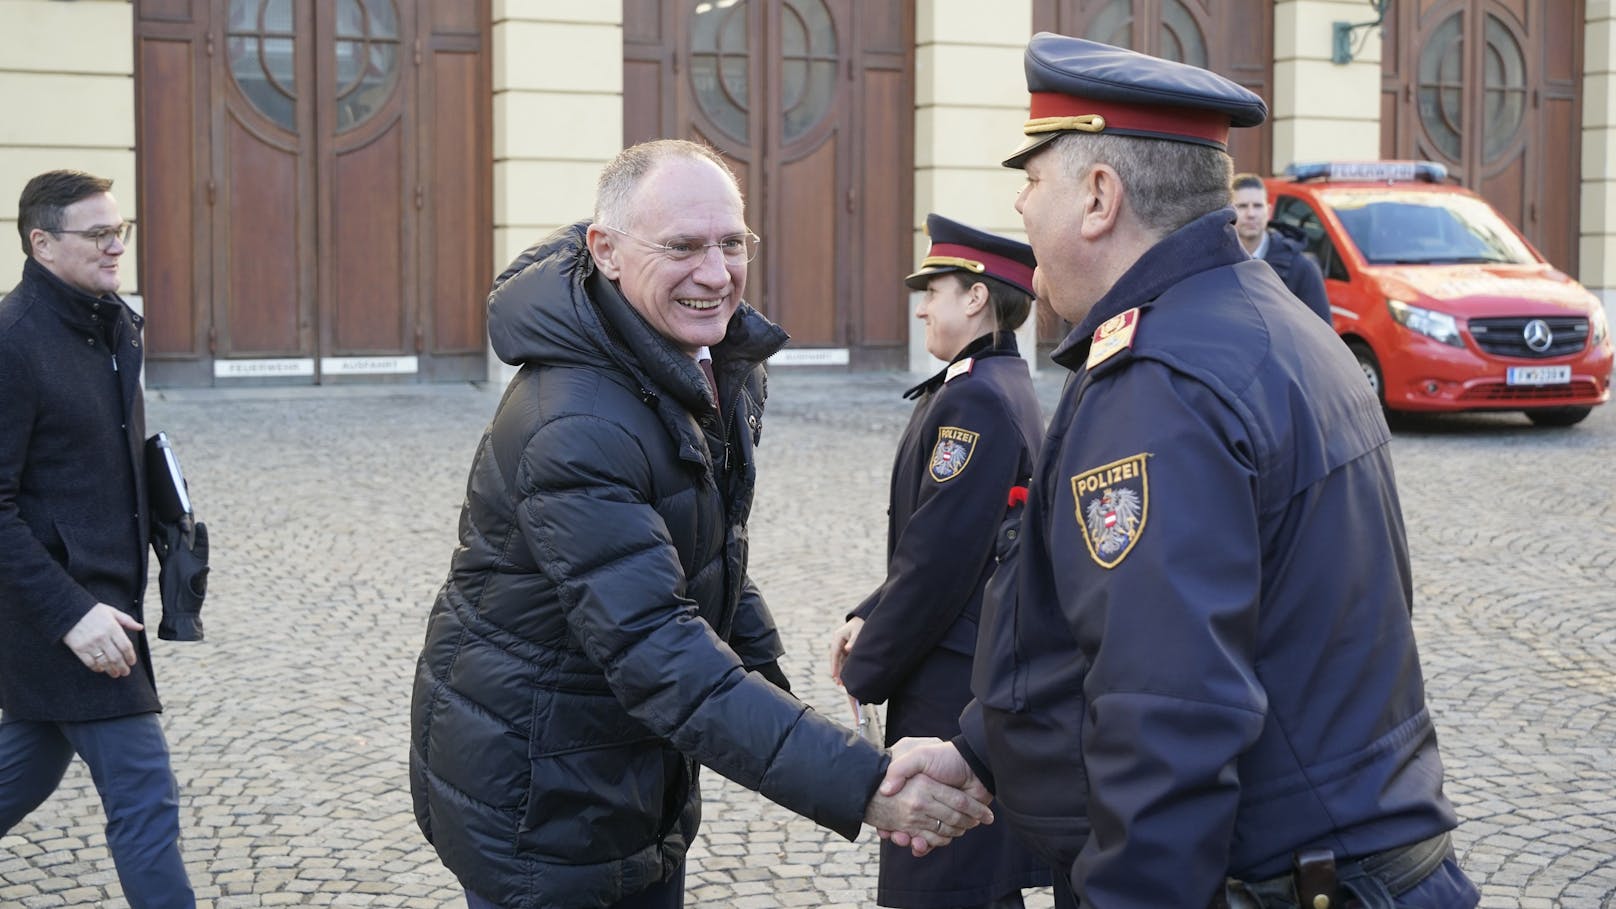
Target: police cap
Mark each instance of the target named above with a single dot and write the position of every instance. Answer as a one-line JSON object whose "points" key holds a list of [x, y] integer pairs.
{"points": [[957, 247], [1089, 87]]}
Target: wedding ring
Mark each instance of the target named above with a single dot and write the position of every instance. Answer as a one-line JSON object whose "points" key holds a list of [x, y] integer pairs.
{"points": [[939, 825], [100, 654]]}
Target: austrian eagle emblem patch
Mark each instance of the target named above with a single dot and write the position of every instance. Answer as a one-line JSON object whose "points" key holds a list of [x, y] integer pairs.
{"points": [[951, 453], [1112, 502]]}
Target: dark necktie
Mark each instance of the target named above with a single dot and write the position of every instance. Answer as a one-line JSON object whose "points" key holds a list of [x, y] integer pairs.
{"points": [[707, 370]]}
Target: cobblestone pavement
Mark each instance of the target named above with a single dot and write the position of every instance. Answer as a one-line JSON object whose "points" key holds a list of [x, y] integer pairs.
{"points": [[333, 511]]}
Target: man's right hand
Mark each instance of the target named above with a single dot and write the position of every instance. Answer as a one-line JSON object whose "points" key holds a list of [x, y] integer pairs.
{"points": [[100, 640]]}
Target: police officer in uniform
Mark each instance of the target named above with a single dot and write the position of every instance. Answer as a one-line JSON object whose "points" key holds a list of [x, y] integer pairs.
{"points": [[966, 454], [1201, 685]]}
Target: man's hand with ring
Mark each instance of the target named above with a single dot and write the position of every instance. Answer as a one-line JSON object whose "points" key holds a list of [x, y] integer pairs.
{"points": [[101, 641]]}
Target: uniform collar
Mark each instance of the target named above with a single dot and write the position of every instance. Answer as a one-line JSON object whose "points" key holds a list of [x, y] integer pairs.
{"points": [[1207, 242], [993, 344]]}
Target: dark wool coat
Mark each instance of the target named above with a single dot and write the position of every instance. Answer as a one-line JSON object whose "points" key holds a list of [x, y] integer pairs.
{"points": [[590, 646], [1205, 661], [73, 527]]}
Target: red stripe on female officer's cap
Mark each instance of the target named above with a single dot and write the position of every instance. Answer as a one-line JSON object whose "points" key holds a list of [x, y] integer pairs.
{"points": [[1005, 269], [1055, 112]]}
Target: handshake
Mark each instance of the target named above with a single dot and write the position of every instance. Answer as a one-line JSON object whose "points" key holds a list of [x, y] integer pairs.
{"points": [[929, 797]]}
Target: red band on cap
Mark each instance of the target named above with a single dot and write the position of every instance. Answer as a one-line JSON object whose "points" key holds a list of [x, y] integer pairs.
{"points": [[999, 267], [1208, 127]]}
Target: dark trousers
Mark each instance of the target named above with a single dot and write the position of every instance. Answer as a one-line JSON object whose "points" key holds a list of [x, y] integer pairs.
{"points": [[128, 759], [668, 894], [1065, 896]]}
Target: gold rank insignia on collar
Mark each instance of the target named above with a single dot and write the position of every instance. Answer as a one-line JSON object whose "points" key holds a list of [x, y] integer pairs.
{"points": [[1114, 334], [955, 370]]}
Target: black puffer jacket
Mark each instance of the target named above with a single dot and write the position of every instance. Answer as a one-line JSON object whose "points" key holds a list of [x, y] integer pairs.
{"points": [[589, 647]]}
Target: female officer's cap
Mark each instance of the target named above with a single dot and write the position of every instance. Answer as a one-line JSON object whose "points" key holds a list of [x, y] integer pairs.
{"points": [[962, 248]]}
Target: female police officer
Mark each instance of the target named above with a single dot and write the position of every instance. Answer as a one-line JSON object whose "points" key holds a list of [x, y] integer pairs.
{"points": [[969, 443]]}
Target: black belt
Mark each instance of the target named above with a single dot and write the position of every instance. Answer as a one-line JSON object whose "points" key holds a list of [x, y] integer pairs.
{"points": [[1318, 884]]}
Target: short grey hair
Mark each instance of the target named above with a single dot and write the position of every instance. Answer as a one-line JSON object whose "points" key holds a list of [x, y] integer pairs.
{"points": [[614, 194], [1168, 183]]}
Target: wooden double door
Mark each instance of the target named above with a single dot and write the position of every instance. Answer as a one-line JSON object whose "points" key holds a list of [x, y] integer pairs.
{"points": [[812, 104], [314, 188], [1491, 89]]}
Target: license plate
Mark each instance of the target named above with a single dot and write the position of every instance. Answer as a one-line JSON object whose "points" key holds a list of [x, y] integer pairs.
{"points": [[1539, 375]]}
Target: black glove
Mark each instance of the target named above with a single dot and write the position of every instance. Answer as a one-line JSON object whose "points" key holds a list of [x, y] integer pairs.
{"points": [[771, 671], [183, 579]]}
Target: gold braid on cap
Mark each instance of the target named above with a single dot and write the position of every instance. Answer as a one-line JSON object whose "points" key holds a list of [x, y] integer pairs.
{"points": [[955, 261], [1088, 123]]}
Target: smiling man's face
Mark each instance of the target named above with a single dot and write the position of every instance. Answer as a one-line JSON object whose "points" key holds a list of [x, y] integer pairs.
{"points": [[679, 201]]}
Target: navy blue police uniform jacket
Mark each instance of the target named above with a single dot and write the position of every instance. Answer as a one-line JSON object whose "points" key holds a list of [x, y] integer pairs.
{"points": [[971, 437], [1203, 660]]}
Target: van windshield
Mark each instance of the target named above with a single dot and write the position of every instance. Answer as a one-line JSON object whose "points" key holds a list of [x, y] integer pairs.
{"points": [[1392, 227]]}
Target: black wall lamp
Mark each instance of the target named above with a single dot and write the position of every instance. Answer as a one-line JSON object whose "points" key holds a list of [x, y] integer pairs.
{"points": [[1347, 40]]}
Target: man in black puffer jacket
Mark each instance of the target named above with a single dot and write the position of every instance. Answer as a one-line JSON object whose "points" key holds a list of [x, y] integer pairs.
{"points": [[592, 644]]}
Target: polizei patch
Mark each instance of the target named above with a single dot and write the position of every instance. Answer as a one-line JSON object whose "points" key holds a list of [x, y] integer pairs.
{"points": [[1112, 503], [951, 453]]}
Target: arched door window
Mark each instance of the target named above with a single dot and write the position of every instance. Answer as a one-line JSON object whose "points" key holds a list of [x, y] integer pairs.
{"points": [[1442, 91], [808, 65], [720, 59], [259, 41], [367, 58]]}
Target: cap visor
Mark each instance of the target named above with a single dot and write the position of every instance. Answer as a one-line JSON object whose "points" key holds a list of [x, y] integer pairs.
{"points": [[1018, 159], [920, 279]]}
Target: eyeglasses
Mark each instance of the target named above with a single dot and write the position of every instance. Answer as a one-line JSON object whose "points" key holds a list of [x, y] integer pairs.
{"points": [[102, 237], [736, 249]]}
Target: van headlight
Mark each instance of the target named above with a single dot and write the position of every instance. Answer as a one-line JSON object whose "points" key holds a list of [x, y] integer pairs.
{"points": [[1598, 323], [1438, 326]]}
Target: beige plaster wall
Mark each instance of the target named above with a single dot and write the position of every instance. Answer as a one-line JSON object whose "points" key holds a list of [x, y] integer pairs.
{"points": [[970, 102], [1598, 251], [67, 100], [1323, 110], [558, 117], [558, 113]]}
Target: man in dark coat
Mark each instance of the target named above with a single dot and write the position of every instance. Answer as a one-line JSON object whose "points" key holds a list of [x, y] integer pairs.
{"points": [[964, 457], [1282, 251], [75, 668], [1202, 686], [598, 637]]}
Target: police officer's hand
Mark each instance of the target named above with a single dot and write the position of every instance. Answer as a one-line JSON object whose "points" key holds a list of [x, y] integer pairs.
{"points": [[936, 761], [100, 640], [841, 644]]}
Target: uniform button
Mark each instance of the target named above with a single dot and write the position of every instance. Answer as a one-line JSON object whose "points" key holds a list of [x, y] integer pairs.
{"points": [[90, 341], [1011, 534]]}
